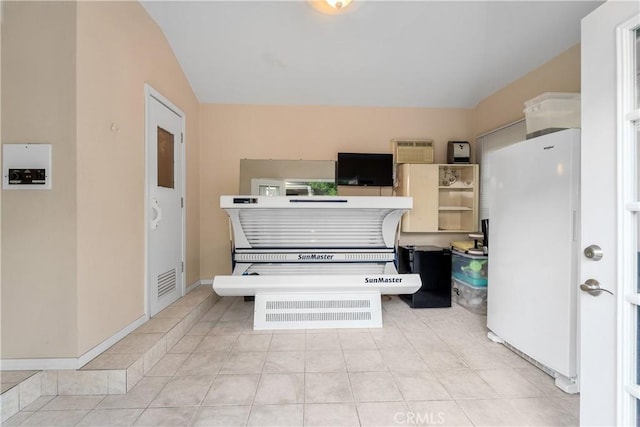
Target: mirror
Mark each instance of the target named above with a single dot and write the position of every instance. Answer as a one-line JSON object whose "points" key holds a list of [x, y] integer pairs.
{"points": [[291, 177]]}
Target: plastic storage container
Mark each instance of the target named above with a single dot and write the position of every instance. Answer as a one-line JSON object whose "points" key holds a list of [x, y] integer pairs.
{"points": [[470, 297], [470, 269], [552, 111]]}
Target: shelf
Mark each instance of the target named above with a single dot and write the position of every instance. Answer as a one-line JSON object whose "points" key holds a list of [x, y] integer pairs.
{"points": [[460, 188], [455, 208], [439, 208]]}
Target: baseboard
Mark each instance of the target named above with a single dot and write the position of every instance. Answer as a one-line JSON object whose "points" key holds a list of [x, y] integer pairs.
{"points": [[104, 345], [196, 284], [55, 363]]}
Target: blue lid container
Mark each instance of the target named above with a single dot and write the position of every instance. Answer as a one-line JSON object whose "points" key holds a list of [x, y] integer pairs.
{"points": [[470, 269]]}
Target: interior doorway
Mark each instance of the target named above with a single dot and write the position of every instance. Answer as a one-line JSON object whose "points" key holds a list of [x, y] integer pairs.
{"points": [[165, 223]]}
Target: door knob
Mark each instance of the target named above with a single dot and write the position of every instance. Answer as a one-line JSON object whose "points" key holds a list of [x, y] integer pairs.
{"points": [[592, 287], [593, 252]]}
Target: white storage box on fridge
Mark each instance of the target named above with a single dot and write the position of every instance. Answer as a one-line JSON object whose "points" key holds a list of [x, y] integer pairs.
{"points": [[552, 110]]}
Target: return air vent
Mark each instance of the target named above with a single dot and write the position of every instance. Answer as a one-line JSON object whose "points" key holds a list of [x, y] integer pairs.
{"points": [[412, 150], [166, 282], [317, 310]]}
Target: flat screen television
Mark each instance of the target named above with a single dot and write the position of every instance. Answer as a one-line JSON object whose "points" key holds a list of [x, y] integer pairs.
{"points": [[364, 169]]}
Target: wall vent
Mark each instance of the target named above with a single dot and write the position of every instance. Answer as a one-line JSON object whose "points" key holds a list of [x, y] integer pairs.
{"points": [[166, 282]]}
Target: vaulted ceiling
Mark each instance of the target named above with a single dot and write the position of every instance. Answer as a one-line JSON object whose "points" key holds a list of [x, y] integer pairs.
{"points": [[376, 53]]}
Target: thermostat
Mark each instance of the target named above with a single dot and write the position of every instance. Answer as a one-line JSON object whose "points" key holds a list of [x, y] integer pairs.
{"points": [[26, 166]]}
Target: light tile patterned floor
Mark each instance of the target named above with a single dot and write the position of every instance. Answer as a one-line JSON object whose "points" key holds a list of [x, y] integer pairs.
{"points": [[10, 379], [425, 367]]}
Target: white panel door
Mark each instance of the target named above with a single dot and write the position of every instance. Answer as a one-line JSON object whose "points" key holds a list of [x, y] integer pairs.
{"points": [[165, 211], [608, 343]]}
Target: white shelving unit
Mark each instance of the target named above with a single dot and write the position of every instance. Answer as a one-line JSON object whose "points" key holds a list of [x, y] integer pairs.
{"points": [[445, 197]]}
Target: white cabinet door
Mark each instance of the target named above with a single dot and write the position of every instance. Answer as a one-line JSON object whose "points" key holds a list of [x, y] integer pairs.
{"points": [[420, 182]]}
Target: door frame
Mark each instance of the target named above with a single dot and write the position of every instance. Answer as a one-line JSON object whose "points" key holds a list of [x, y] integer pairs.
{"points": [[149, 94], [628, 114]]}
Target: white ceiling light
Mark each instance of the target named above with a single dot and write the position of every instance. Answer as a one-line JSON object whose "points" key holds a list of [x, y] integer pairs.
{"points": [[338, 4], [331, 7]]}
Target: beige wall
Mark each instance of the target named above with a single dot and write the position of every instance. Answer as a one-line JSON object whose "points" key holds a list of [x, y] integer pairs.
{"points": [[120, 48], [39, 302], [561, 74], [73, 258], [75, 276], [233, 132]]}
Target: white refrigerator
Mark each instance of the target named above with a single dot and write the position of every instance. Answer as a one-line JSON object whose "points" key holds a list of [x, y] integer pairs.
{"points": [[534, 214]]}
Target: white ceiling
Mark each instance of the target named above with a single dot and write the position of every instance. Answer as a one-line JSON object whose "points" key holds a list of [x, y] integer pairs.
{"points": [[378, 53]]}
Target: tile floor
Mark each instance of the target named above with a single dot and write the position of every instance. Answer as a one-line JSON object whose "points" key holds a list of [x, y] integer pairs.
{"points": [[424, 367], [10, 379]]}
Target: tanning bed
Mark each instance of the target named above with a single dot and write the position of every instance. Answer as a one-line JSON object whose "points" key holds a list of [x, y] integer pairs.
{"points": [[315, 261]]}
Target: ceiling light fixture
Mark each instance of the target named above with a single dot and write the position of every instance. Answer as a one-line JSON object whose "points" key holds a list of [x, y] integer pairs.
{"points": [[338, 4], [332, 7]]}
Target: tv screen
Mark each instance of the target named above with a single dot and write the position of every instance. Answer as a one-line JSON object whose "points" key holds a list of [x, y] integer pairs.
{"points": [[365, 169]]}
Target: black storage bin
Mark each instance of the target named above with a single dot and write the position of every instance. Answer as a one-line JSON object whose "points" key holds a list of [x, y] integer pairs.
{"points": [[434, 266]]}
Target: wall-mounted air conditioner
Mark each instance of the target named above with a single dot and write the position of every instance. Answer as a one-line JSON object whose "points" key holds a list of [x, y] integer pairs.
{"points": [[412, 150]]}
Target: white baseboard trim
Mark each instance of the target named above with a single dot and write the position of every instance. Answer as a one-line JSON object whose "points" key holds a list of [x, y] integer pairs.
{"points": [[70, 363], [193, 286], [206, 282], [104, 345]]}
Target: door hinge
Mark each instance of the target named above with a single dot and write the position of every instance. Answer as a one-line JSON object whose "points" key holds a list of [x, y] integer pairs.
{"points": [[182, 202], [182, 265], [181, 138]]}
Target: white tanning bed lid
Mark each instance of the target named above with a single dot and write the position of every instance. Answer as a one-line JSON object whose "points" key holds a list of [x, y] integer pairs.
{"points": [[282, 222]]}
